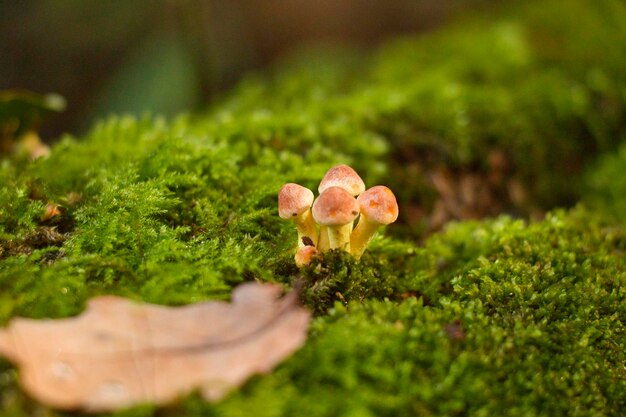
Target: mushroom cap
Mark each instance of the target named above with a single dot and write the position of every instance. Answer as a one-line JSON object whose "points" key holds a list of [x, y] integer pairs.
{"points": [[344, 177], [335, 207], [379, 205], [305, 255], [293, 200]]}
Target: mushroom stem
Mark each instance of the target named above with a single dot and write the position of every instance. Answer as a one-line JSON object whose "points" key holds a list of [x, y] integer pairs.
{"points": [[336, 209], [294, 203], [378, 206], [339, 236], [305, 224], [362, 235], [322, 242]]}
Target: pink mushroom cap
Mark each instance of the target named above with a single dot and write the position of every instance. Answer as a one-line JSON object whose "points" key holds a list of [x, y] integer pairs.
{"points": [[293, 200], [334, 207], [344, 177], [379, 205]]}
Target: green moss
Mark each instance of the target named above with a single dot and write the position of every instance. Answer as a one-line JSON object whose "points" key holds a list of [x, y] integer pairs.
{"points": [[532, 324], [490, 317], [606, 187]]}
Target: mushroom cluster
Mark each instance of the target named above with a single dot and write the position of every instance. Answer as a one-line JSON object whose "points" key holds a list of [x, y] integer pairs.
{"points": [[328, 222]]}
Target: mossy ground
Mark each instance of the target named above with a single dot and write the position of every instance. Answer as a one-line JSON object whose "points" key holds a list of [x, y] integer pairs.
{"points": [[501, 316]]}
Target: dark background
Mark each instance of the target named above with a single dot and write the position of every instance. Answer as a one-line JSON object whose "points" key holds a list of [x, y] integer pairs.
{"points": [[168, 56]]}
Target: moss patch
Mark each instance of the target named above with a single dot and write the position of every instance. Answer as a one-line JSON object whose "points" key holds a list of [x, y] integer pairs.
{"points": [[501, 316]]}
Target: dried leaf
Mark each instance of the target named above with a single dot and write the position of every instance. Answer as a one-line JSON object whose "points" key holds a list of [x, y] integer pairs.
{"points": [[119, 353]]}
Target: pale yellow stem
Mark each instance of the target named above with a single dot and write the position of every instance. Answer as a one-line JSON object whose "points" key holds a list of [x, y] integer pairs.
{"points": [[362, 236], [322, 243], [339, 236], [306, 228]]}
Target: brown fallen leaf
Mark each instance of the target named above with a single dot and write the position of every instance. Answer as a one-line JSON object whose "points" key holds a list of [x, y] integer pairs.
{"points": [[119, 353]]}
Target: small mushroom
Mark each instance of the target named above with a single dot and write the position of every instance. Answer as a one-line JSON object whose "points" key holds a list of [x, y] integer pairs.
{"points": [[294, 202], [305, 255], [336, 209], [341, 176], [378, 207]]}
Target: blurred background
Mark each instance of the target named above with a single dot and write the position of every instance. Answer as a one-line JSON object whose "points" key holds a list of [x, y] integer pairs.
{"points": [[168, 56]]}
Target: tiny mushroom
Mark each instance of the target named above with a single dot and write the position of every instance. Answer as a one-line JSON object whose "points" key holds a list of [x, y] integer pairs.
{"points": [[304, 256], [336, 209], [341, 176], [294, 202], [378, 207]]}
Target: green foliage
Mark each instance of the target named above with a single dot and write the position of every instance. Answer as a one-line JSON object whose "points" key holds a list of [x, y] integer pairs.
{"points": [[22, 110], [530, 87], [492, 317], [606, 187], [532, 324]]}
